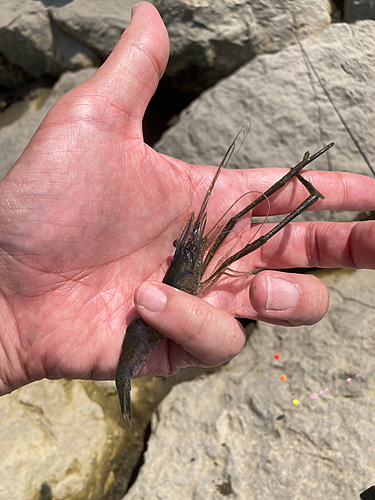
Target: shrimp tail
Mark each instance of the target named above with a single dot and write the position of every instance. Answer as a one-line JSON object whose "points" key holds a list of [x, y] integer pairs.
{"points": [[139, 342], [123, 388]]}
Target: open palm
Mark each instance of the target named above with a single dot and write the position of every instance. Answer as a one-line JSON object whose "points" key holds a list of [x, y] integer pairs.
{"points": [[89, 212]]}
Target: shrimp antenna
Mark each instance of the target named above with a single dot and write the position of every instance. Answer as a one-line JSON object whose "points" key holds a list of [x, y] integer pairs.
{"points": [[245, 129]]}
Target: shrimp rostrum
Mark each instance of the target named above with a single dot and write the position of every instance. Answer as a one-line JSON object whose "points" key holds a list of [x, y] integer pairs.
{"points": [[194, 252]]}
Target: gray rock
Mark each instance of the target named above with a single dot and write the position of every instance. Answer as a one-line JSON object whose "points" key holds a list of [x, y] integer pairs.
{"points": [[210, 40], [288, 110], [97, 24], [358, 9], [53, 36], [240, 434], [55, 438], [15, 136], [26, 42]]}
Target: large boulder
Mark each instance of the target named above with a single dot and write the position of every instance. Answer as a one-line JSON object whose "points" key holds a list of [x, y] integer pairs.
{"points": [[210, 40], [52, 36], [96, 24]]}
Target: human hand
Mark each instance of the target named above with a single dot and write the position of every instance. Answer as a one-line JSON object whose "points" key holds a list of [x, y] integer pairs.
{"points": [[89, 212]]}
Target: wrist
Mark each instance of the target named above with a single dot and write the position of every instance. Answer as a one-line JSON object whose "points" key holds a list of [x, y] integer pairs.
{"points": [[12, 370]]}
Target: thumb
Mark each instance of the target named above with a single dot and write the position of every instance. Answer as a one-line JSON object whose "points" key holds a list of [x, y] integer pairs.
{"points": [[209, 335], [130, 75]]}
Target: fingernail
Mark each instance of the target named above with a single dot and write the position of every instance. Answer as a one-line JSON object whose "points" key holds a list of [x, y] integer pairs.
{"points": [[133, 9], [151, 297], [282, 294]]}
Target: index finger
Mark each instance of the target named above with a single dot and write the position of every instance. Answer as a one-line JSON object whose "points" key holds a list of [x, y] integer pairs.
{"points": [[342, 191]]}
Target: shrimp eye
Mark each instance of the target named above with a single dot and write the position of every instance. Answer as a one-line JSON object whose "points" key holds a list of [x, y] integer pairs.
{"points": [[175, 243]]}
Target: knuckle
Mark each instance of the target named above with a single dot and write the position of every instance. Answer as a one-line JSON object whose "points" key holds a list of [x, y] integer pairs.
{"points": [[212, 335]]}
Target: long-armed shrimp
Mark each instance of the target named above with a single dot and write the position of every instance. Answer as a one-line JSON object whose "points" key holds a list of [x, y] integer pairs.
{"points": [[192, 255]]}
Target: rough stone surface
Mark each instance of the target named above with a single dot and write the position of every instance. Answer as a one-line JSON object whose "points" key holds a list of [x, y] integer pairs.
{"points": [[238, 434], [67, 440], [209, 40], [40, 37], [54, 437], [358, 9], [26, 42], [15, 136], [288, 110], [97, 24]]}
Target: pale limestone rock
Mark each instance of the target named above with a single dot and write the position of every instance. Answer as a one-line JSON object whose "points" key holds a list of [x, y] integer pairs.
{"points": [[53, 434]]}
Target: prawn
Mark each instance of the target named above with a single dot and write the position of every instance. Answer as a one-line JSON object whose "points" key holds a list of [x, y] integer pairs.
{"points": [[192, 256]]}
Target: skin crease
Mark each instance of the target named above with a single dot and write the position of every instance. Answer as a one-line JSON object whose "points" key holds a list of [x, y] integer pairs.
{"points": [[85, 219]]}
